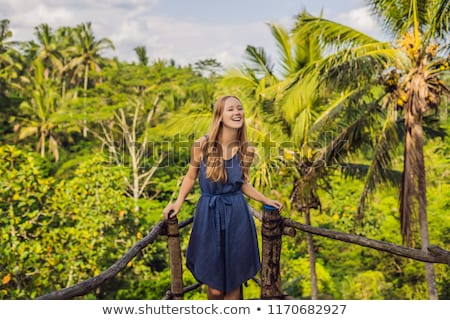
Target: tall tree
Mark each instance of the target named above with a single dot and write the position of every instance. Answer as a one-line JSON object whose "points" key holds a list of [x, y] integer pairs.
{"points": [[7, 50], [41, 111], [404, 76], [87, 57], [49, 52], [141, 53]]}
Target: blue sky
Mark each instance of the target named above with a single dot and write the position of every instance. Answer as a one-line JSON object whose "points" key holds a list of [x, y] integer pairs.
{"points": [[185, 30]]}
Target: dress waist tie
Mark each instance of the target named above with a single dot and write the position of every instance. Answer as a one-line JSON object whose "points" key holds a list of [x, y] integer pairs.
{"points": [[221, 206]]}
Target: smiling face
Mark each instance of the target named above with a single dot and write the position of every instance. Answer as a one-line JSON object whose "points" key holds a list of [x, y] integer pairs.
{"points": [[233, 113]]}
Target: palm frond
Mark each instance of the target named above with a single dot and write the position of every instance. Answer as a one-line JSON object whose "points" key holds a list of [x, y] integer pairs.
{"points": [[259, 60], [334, 109], [265, 169], [181, 123], [301, 127], [332, 35], [440, 24], [350, 67], [247, 80], [360, 171], [28, 131], [349, 138], [397, 17], [385, 146], [299, 93], [283, 43]]}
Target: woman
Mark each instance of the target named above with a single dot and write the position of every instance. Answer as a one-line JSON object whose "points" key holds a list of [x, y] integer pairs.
{"points": [[223, 249]]}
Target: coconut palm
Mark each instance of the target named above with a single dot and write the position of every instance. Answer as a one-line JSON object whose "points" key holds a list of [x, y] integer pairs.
{"points": [[40, 110], [7, 62], [5, 34], [307, 110], [141, 53], [87, 56], [404, 76], [49, 52]]}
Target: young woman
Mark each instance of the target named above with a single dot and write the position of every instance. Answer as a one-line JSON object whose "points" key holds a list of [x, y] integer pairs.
{"points": [[223, 249]]}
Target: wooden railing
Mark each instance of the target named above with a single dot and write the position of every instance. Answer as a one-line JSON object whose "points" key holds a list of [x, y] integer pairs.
{"points": [[273, 227]]}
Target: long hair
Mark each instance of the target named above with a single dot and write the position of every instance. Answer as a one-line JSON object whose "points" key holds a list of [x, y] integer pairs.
{"points": [[212, 150]]}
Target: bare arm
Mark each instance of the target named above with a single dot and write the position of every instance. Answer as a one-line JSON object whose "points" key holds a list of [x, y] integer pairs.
{"points": [[254, 194], [188, 180]]}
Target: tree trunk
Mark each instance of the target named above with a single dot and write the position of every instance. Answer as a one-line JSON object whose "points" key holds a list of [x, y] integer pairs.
{"points": [[135, 165], [42, 138], [312, 257], [86, 70], [417, 133]]}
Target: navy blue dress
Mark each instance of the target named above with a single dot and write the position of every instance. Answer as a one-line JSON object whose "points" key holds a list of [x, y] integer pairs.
{"points": [[223, 247]]}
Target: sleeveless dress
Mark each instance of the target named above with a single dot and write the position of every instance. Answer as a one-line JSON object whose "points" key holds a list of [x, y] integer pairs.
{"points": [[223, 247]]}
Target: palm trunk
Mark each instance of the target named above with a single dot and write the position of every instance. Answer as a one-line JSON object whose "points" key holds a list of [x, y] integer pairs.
{"points": [[303, 199], [407, 190], [86, 70], [417, 133], [63, 89], [135, 165], [312, 257], [42, 143]]}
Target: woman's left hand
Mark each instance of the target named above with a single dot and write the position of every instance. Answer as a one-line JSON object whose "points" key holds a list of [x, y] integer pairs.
{"points": [[274, 203]]}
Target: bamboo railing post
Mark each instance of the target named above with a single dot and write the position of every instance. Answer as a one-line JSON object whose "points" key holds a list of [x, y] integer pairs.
{"points": [[271, 232], [176, 268]]}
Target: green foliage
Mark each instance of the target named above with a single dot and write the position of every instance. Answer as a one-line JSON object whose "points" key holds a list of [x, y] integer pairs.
{"points": [[368, 285], [24, 190], [63, 223], [296, 279], [59, 233]]}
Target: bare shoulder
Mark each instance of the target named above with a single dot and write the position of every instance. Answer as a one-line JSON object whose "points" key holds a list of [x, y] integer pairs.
{"points": [[199, 143]]}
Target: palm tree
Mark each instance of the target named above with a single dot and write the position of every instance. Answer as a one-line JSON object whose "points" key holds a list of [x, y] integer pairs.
{"points": [[49, 52], [87, 56], [141, 52], [403, 75], [40, 111], [5, 34], [296, 53], [7, 63]]}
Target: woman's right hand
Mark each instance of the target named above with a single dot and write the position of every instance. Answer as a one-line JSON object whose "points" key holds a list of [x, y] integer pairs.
{"points": [[172, 209]]}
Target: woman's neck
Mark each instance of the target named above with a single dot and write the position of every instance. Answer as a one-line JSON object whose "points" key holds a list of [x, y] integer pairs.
{"points": [[227, 136]]}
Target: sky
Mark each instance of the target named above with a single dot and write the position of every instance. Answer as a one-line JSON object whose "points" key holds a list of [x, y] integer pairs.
{"points": [[184, 30]]}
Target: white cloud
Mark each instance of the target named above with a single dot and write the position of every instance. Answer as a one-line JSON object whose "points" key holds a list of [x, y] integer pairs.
{"points": [[362, 20], [188, 41], [117, 20], [131, 23]]}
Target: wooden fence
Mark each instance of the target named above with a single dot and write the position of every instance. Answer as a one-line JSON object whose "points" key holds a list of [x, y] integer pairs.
{"points": [[273, 227]]}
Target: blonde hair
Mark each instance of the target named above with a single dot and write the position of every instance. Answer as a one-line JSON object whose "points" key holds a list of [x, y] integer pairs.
{"points": [[212, 150]]}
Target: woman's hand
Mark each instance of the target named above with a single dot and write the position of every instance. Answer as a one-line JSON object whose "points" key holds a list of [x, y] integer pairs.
{"points": [[171, 210], [274, 203]]}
